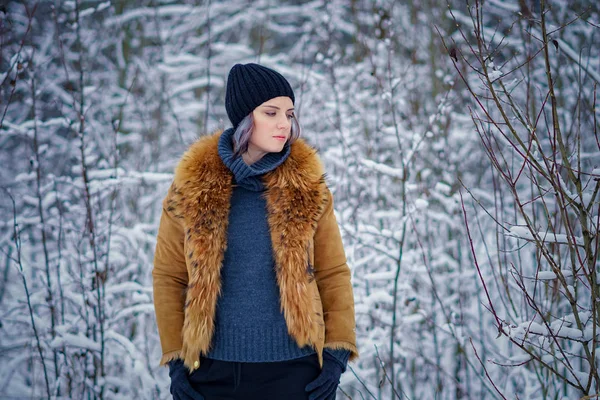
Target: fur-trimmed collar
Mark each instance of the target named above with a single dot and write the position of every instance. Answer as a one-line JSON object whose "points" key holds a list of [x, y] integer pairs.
{"points": [[202, 160], [296, 195]]}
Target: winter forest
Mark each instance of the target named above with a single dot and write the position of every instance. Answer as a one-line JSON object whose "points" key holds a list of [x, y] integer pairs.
{"points": [[461, 142]]}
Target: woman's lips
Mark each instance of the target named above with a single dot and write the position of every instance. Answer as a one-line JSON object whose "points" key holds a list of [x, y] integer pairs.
{"points": [[280, 137]]}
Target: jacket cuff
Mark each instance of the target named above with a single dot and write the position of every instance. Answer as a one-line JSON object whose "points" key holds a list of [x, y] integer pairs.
{"points": [[170, 356], [341, 356]]}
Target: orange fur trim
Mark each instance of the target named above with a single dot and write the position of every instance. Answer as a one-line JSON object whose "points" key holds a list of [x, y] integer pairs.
{"points": [[200, 194], [346, 346], [296, 197], [172, 355]]}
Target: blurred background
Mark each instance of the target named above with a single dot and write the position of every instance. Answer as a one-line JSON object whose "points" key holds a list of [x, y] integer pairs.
{"points": [[461, 145]]}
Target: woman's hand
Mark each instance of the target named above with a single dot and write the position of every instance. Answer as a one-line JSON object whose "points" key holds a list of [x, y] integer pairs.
{"points": [[181, 389], [325, 385]]}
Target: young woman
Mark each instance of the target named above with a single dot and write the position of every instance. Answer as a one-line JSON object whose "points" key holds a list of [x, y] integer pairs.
{"points": [[251, 287]]}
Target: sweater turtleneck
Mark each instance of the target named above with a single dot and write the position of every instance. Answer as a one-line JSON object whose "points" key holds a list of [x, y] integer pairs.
{"points": [[249, 176]]}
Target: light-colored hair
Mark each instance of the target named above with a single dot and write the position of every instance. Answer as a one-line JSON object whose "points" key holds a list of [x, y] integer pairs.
{"points": [[242, 134]]}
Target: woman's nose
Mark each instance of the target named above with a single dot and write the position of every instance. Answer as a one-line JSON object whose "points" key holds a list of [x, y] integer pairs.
{"points": [[283, 122]]}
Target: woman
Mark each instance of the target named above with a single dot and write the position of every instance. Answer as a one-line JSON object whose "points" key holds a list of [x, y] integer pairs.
{"points": [[251, 287]]}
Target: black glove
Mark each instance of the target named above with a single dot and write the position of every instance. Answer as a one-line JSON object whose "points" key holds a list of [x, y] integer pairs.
{"points": [[326, 384], [181, 389]]}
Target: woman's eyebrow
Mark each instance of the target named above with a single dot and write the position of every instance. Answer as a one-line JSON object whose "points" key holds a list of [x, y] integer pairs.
{"points": [[268, 105]]}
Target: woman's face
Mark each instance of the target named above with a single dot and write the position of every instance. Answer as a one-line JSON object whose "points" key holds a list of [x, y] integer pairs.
{"points": [[272, 127]]}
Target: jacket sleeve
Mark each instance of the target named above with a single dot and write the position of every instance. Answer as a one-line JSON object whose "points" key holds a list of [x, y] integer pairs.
{"points": [[169, 279], [333, 280]]}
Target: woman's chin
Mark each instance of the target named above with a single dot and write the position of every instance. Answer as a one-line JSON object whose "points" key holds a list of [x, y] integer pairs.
{"points": [[276, 149]]}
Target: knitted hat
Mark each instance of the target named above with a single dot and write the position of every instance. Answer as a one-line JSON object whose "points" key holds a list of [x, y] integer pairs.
{"points": [[250, 85]]}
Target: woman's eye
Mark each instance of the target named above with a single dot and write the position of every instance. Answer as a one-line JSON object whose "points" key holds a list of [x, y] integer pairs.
{"points": [[272, 114]]}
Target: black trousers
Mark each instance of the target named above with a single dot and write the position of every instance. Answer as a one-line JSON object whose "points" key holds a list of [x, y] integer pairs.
{"points": [[220, 380]]}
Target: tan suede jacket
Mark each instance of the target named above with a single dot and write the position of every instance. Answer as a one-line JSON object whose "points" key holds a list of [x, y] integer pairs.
{"points": [[313, 278]]}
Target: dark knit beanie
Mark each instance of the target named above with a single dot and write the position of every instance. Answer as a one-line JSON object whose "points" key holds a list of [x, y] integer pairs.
{"points": [[250, 85]]}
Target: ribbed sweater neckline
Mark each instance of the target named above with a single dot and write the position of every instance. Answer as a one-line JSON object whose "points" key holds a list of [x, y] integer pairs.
{"points": [[249, 176]]}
